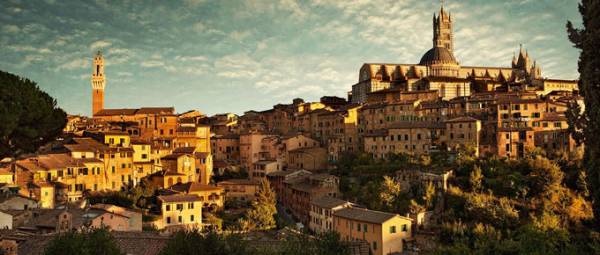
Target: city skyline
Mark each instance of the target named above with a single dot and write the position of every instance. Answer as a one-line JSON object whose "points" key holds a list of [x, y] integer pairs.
{"points": [[191, 56]]}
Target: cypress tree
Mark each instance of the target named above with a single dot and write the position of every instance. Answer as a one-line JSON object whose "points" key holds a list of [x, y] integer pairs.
{"points": [[587, 39]]}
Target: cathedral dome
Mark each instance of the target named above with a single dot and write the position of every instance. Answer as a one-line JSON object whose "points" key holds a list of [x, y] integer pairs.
{"points": [[438, 55]]}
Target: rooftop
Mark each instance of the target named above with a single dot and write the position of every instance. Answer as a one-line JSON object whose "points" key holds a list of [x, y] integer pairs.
{"points": [[366, 215]]}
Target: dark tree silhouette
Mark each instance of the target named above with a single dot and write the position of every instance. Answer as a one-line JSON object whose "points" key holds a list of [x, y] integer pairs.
{"points": [[587, 39], [29, 117]]}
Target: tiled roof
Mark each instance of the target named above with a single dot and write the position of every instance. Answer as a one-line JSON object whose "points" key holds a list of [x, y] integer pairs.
{"points": [[417, 124], [184, 150], [194, 187], [365, 215], [108, 112], [462, 119], [238, 182], [178, 198], [328, 202]]}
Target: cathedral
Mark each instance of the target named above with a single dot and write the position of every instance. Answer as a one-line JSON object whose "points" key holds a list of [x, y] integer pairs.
{"points": [[440, 71]]}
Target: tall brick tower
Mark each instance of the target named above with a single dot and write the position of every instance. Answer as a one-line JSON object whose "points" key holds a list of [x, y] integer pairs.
{"points": [[442, 30], [98, 84]]}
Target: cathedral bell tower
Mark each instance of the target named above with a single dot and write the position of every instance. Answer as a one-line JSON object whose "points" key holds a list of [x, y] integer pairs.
{"points": [[98, 83], [442, 30]]}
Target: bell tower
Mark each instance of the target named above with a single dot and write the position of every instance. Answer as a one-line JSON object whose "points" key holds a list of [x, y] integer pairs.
{"points": [[442, 30], [98, 83]]}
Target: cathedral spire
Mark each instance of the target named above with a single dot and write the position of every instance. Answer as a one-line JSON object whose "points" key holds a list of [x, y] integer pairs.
{"points": [[442, 30]]}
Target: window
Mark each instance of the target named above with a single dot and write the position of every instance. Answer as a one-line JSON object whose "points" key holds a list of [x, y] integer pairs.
{"points": [[374, 246], [392, 229], [179, 219], [404, 228], [179, 207], [190, 205], [168, 220], [192, 218], [168, 208]]}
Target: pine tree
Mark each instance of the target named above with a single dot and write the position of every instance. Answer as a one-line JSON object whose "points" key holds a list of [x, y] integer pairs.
{"points": [[29, 117], [262, 214], [587, 40]]}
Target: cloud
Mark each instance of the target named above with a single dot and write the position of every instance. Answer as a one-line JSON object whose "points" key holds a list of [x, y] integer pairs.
{"points": [[99, 45], [198, 27], [12, 29], [240, 36], [152, 63], [28, 48], [237, 65], [193, 3], [191, 58], [78, 63]]}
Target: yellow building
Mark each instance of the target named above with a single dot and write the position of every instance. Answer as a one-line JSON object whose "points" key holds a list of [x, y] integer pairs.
{"points": [[44, 193], [212, 197], [386, 233], [6, 176], [180, 212], [181, 163], [193, 136]]}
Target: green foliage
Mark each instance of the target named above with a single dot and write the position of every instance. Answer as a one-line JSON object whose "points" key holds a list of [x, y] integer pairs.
{"points": [[111, 197], [231, 174], [475, 179], [328, 243], [87, 242], [210, 243], [142, 196], [261, 216], [587, 40], [389, 194], [29, 117]]}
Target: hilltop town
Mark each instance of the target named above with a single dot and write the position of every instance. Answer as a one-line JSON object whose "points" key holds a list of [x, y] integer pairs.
{"points": [[407, 131]]}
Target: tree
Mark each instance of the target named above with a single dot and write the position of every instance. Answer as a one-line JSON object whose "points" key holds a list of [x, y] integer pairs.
{"points": [[389, 193], [587, 40], [476, 179], [546, 176], [429, 196], [29, 117], [87, 242], [210, 243], [582, 185], [262, 214]]}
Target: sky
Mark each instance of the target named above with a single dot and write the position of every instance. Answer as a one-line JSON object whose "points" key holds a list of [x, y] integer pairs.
{"points": [[220, 56]]}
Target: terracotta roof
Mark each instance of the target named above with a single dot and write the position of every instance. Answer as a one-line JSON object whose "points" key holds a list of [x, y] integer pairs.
{"points": [[156, 110], [328, 202], [184, 150], [108, 112], [417, 124], [133, 243], [365, 215], [238, 182], [462, 119], [201, 155], [178, 198], [194, 187]]}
